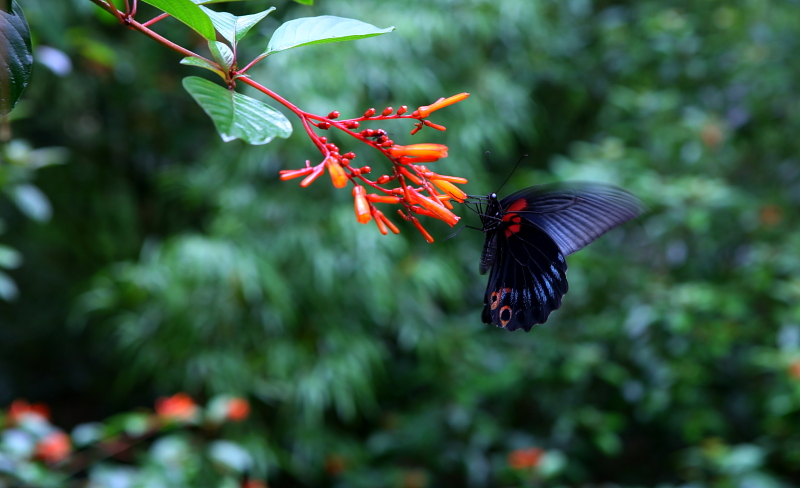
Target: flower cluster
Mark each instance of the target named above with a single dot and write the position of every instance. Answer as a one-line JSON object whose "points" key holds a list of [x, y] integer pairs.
{"points": [[28, 439], [418, 190]]}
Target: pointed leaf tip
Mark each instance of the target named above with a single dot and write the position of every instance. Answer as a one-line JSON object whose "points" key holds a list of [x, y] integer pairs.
{"points": [[319, 30]]}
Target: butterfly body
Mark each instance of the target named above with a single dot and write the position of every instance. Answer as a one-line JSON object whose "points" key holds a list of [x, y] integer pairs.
{"points": [[528, 236]]}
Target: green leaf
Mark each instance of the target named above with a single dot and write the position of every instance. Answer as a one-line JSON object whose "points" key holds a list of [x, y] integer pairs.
{"points": [[318, 30], [206, 2], [232, 27], [222, 54], [188, 13], [202, 63], [237, 116], [305, 2], [15, 56]]}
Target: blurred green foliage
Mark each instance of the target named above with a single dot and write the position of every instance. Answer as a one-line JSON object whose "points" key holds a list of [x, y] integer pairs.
{"points": [[175, 262]]}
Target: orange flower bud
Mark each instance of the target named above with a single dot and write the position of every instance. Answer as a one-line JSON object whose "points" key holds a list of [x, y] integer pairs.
{"points": [[338, 176], [363, 214], [411, 176], [441, 103], [381, 219], [420, 151], [315, 172], [421, 229], [375, 198], [412, 160], [434, 126], [449, 188], [288, 174]]}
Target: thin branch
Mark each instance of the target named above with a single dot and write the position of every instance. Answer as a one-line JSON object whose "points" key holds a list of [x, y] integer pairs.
{"points": [[156, 19]]}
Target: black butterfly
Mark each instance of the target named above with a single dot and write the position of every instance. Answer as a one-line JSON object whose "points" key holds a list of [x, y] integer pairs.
{"points": [[528, 235]]}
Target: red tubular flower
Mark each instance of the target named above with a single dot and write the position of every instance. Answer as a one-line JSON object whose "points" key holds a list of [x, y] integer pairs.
{"points": [[363, 214], [419, 151], [54, 447], [179, 407], [20, 409], [338, 176], [525, 458], [441, 103]]}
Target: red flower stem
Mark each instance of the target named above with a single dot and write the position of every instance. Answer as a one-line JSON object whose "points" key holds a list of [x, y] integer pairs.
{"points": [[135, 6], [374, 185], [156, 19], [304, 116], [250, 65], [144, 30]]}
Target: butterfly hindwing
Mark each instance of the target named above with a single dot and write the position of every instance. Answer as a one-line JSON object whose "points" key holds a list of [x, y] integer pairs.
{"points": [[528, 277]]}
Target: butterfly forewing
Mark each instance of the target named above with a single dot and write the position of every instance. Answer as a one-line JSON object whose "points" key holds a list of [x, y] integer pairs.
{"points": [[577, 214]]}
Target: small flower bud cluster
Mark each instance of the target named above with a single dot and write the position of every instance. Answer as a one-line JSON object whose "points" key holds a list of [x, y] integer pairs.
{"points": [[419, 191]]}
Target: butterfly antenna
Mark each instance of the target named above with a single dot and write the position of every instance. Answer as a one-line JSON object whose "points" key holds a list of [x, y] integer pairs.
{"points": [[512, 172]]}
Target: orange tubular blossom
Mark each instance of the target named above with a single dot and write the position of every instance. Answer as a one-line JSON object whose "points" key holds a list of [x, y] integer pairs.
{"points": [[426, 150], [451, 189], [338, 176], [435, 207], [426, 110], [363, 214]]}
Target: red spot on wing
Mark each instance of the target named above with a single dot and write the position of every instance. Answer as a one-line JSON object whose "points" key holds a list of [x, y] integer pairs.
{"points": [[515, 221], [517, 205]]}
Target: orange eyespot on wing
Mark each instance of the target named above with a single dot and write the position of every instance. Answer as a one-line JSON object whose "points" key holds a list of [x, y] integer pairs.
{"points": [[494, 300], [505, 315]]}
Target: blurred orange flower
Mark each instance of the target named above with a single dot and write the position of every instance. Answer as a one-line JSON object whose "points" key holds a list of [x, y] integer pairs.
{"points": [[179, 406], [19, 409], [525, 458], [255, 484], [794, 369], [238, 409], [55, 447]]}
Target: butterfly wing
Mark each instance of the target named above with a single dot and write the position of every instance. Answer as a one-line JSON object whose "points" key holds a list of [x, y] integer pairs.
{"points": [[528, 277], [576, 214], [537, 228]]}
